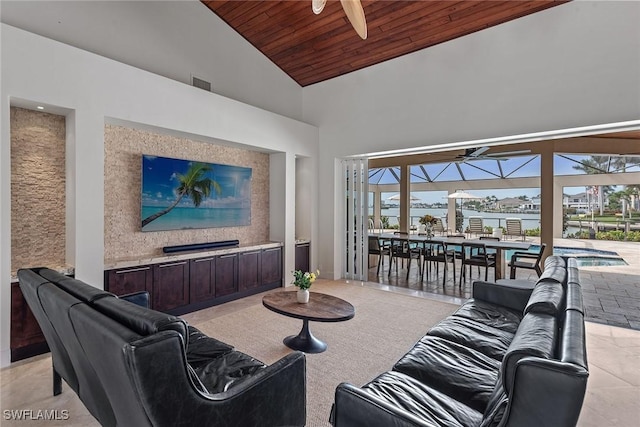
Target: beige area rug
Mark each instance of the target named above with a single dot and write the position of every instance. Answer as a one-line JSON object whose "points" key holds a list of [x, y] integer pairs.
{"points": [[385, 326]]}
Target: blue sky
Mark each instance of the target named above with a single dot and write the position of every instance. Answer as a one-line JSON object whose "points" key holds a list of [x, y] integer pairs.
{"points": [[159, 182]]}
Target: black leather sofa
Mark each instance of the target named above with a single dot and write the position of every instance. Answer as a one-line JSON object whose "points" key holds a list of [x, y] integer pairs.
{"points": [[510, 356], [132, 366]]}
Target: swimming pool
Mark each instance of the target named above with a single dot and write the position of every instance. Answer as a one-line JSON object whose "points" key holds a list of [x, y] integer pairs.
{"points": [[586, 257]]}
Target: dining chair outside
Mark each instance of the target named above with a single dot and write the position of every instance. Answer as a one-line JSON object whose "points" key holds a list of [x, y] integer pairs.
{"points": [[514, 227], [438, 226], [435, 252], [475, 254], [401, 248], [533, 263], [379, 249]]}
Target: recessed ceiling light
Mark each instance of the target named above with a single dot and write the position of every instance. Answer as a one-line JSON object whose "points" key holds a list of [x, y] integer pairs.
{"points": [[40, 107]]}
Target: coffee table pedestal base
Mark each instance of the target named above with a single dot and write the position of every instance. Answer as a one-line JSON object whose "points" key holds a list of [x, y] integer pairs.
{"points": [[305, 341]]}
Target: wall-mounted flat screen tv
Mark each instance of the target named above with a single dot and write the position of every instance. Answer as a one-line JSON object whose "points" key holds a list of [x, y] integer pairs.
{"points": [[182, 194]]}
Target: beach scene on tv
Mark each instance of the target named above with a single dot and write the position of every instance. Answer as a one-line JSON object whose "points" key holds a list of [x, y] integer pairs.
{"points": [[183, 194]]}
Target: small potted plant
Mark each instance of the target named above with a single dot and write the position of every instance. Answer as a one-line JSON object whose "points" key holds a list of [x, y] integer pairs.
{"points": [[303, 281]]}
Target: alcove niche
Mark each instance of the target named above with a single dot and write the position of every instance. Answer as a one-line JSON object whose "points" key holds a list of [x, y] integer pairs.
{"points": [[38, 189]]}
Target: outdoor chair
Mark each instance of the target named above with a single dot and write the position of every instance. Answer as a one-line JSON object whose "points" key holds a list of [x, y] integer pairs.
{"points": [[476, 226], [533, 263], [438, 226], [475, 254], [514, 227], [435, 252], [379, 249], [401, 248]]}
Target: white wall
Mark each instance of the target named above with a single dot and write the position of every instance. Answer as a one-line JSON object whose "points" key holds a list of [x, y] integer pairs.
{"points": [[577, 64], [96, 89], [171, 38]]}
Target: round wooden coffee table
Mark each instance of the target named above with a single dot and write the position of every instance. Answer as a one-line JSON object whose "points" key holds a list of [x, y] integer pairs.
{"points": [[320, 308]]}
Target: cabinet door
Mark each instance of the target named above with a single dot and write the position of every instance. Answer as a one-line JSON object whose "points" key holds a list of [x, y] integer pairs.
{"points": [[272, 266], [202, 283], [249, 272], [25, 330], [226, 274], [302, 256], [170, 285], [128, 280]]}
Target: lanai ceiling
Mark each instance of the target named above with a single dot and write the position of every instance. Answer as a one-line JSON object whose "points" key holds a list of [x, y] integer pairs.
{"points": [[313, 48]]}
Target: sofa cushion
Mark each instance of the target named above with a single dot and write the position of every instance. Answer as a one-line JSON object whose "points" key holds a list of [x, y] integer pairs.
{"points": [[227, 371], [555, 271], [452, 369], [422, 401], [140, 319], [202, 348], [536, 336], [77, 288], [547, 297], [490, 314], [488, 340]]}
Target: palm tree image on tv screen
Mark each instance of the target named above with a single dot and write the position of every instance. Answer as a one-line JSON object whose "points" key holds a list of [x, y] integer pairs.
{"points": [[182, 194]]}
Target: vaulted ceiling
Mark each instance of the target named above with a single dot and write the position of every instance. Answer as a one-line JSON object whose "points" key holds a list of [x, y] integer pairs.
{"points": [[312, 48]]}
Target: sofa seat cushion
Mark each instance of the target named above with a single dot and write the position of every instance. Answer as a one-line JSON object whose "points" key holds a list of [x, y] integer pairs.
{"points": [[202, 348], [422, 401], [490, 314], [453, 369], [490, 341], [227, 371]]}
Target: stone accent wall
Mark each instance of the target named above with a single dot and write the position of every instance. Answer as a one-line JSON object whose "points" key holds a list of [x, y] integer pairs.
{"points": [[122, 169], [38, 226]]}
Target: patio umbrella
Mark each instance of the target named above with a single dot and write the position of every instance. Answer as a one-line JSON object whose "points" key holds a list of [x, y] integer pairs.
{"points": [[397, 197], [462, 195]]}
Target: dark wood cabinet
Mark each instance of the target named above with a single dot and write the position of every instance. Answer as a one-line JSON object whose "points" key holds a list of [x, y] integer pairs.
{"points": [[170, 285], [128, 280], [249, 270], [26, 338], [202, 279], [226, 274], [271, 264], [178, 287], [303, 250]]}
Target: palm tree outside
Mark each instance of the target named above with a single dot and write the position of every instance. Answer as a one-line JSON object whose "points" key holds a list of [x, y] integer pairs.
{"points": [[193, 184]]}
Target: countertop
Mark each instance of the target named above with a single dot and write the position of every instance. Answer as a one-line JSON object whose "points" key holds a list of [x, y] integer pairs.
{"points": [[162, 258]]}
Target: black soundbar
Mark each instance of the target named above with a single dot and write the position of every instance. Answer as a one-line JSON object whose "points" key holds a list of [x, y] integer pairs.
{"points": [[200, 246]]}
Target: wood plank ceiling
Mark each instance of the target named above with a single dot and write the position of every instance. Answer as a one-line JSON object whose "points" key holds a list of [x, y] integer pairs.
{"points": [[313, 48]]}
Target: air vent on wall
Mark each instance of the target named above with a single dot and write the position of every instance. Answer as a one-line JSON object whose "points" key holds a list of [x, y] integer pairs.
{"points": [[202, 84]]}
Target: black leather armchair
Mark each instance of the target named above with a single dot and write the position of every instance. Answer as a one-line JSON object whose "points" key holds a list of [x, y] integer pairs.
{"points": [[132, 366]]}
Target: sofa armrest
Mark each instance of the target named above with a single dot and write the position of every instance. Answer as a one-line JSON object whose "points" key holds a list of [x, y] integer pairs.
{"points": [[540, 384], [354, 407], [515, 298], [138, 298], [276, 395]]}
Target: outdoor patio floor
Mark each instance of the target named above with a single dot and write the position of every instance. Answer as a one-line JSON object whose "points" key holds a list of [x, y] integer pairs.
{"points": [[611, 293]]}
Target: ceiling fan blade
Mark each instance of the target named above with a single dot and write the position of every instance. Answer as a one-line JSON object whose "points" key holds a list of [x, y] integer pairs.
{"points": [[354, 11], [317, 6], [479, 151]]}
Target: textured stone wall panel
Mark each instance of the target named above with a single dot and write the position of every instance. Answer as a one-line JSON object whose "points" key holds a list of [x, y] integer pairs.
{"points": [[123, 161], [38, 225]]}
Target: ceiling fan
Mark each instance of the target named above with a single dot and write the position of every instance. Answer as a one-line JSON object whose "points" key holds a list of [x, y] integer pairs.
{"points": [[354, 11], [479, 154]]}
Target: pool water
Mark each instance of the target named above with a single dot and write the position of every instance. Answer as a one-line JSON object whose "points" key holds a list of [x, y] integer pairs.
{"points": [[585, 257]]}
